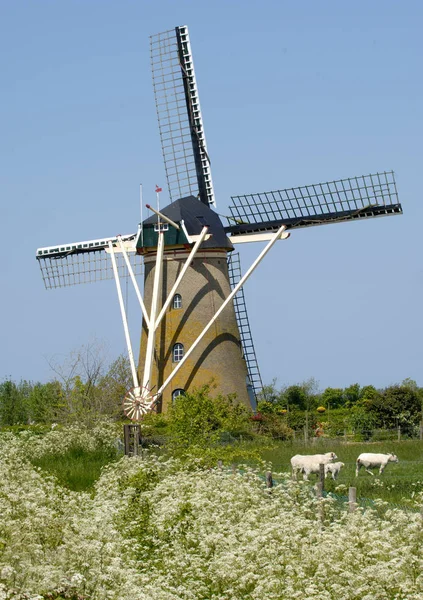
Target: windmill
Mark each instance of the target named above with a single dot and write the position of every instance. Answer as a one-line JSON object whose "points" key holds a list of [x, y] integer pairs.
{"points": [[195, 322]]}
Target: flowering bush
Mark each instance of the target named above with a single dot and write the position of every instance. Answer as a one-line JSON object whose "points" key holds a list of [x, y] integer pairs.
{"points": [[58, 440], [168, 530]]}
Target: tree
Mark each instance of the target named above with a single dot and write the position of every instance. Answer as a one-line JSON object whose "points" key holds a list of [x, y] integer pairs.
{"points": [[269, 393], [351, 395], [45, 402], [79, 375], [113, 386], [302, 396], [13, 406], [395, 405], [332, 397]]}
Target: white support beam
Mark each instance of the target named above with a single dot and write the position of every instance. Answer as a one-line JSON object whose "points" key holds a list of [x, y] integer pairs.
{"points": [[149, 355], [124, 319], [245, 238], [241, 282], [181, 274], [134, 281]]}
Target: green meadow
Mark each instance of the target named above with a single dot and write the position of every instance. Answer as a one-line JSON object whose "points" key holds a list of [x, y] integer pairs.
{"points": [[398, 481]]}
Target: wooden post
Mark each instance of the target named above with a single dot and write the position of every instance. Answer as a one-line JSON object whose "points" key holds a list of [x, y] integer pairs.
{"points": [[322, 476], [234, 469], [269, 479], [132, 437], [319, 490], [219, 465], [352, 499], [399, 433], [126, 439], [421, 431], [306, 429]]}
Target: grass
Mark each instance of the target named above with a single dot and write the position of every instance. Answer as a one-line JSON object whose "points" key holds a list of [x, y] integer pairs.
{"points": [[78, 469], [398, 481]]}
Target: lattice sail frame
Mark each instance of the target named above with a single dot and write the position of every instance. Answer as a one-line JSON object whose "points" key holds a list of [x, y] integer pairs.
{"points": [[361, 197], [84, 262], [241, 313], [183, 141]]}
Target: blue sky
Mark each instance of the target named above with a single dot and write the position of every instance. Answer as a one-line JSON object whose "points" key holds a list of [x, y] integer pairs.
{"points": [[292, 93]]}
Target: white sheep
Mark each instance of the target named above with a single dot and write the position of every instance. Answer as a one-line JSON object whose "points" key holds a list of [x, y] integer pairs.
{"points": [[334, 469], [368, 460], [308, 464]]}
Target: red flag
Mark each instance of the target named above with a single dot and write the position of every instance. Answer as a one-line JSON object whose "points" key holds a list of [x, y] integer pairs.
{"points": [[158, 189]]}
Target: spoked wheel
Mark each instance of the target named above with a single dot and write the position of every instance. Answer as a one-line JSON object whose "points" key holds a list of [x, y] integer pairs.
{"points": [[137, 402]]}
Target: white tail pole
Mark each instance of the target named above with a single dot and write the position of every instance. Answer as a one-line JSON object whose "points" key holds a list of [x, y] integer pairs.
{"points": [[134, 281], [163, 217], [124, 319], [278, 234], [181, 274], [148, 367]]}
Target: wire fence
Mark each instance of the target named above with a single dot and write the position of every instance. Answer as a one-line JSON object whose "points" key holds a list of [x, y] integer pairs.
{"points": [[343, 502], [343, 435]]}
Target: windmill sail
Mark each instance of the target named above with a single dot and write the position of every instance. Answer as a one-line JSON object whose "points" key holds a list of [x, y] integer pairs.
{"points": [[234, 270], [349, 199], [84, 262], [181, 129]]}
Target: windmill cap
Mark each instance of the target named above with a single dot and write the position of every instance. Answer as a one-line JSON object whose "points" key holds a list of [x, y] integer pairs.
{"points": [[195, 216]]}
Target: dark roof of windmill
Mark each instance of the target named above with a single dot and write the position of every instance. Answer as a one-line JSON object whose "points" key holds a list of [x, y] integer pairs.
{"points": [[195, 215]]}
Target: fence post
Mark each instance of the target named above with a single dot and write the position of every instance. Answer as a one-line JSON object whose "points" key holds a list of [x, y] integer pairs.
{"points": [[219, 465], [421, 431], [269, 479], [132, 438], [399, 433], [306, 428], [352, 499]]}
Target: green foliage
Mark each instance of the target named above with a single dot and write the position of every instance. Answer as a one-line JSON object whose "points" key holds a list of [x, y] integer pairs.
{"points": [[265, 407], [297, 420], [270, 394], [396, 405], [45, 402], [362, 422], [351, 394], [274, 426], [14, 402], [335, 421], [332, 397], [295, 396], [113, 386], [198, 419]]}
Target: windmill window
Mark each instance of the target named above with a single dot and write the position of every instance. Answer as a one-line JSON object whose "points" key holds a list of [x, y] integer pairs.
{"points": [[178, 352], [177, 301], [176, 393]]}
